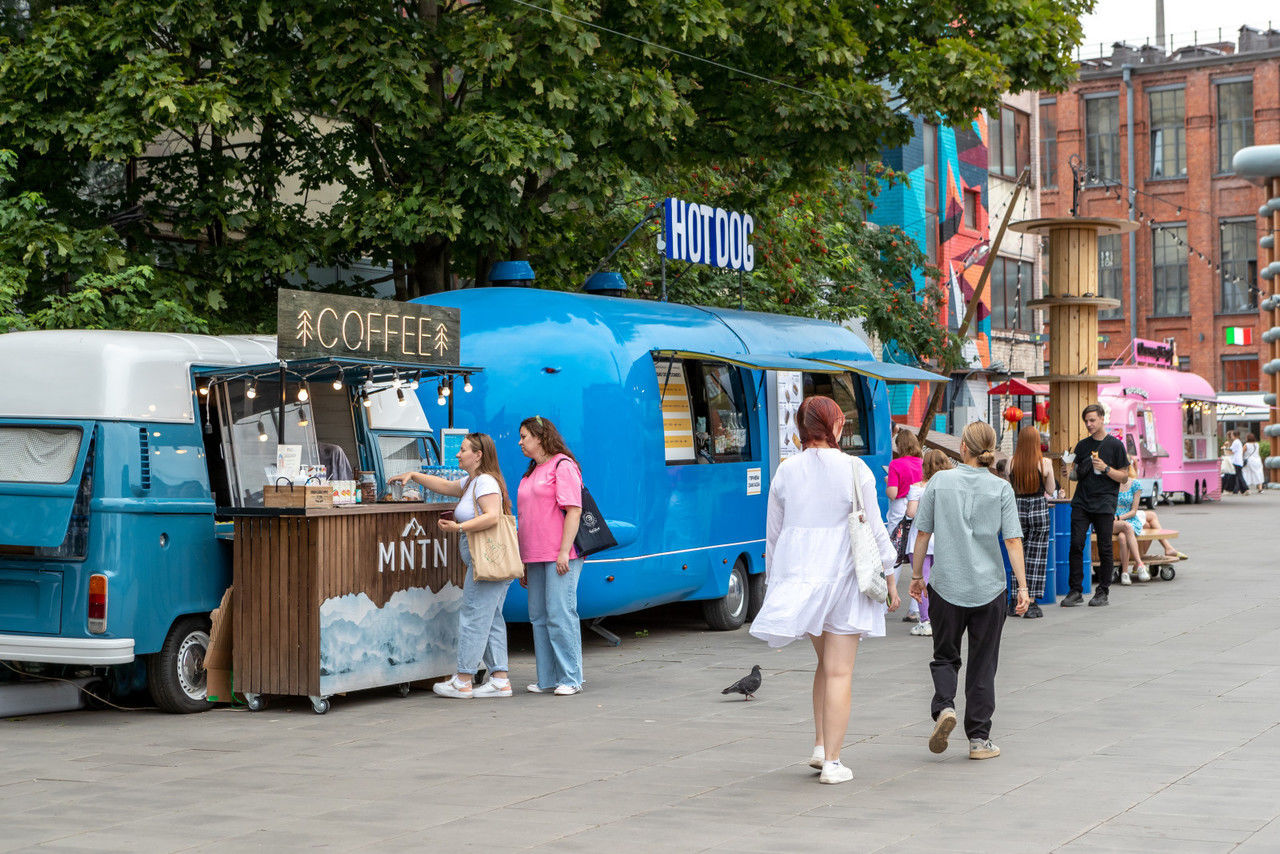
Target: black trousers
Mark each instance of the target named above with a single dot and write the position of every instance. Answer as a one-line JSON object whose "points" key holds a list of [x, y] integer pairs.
{"points": [[984, 625], [1240, 489], [1080, 522]]}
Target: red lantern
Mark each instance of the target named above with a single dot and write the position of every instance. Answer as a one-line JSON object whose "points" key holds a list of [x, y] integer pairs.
{"points": [[1013, 414], [1042, 412]]}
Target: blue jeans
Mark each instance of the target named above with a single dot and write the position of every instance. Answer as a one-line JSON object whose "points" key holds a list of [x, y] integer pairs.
{"points": [[482, 633], [553, 611]]}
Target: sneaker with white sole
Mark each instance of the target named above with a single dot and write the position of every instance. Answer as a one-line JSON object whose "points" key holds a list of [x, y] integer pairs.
{"points": [[493, 688], [1125, 580], [1144, 574], [451, 687], [982, 748], [816, 760], [533, 688], [942, 730], [835, 772], [922, 630], [567, 690]]}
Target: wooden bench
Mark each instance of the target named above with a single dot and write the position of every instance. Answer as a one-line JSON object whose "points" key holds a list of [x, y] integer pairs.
{"points": [[1145, 539]]}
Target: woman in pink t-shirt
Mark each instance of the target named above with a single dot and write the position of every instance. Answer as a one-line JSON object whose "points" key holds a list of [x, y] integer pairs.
{"points": [[549, 505]]}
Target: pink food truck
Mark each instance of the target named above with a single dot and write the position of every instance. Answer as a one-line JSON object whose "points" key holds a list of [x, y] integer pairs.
{"points": [[1167, 421]]}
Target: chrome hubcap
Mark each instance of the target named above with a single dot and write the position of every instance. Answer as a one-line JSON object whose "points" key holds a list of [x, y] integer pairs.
{"points": [[191, 672], [736, 598]]}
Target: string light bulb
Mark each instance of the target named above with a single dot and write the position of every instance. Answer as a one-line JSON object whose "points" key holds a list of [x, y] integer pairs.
{"points": [[466, 384], [262, 431], [304, 394], [252, 391], [303, 420], [400, 397], [337, 384], [366, 401], [440, 400]]}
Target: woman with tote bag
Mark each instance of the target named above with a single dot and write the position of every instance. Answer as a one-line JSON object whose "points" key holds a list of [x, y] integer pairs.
{"points": [[483, 501]]}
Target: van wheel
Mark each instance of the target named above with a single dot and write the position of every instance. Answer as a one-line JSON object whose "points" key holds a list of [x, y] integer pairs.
{"points": [[729, 612], [755, 587], [175, 675]]}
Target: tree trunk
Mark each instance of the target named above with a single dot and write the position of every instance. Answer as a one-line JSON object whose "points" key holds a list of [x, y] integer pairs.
{"points": [[430, 272]]}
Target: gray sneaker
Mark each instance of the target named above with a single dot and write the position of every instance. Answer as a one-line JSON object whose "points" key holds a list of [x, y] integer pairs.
{"points": [[941, 730], [982, 748]]}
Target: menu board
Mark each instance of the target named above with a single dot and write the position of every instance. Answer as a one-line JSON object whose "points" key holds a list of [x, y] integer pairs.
{"points": [[789, 397], [677, 420]]}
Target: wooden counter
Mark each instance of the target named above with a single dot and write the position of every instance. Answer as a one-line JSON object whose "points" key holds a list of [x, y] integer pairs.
{"points": [[341, 599]]}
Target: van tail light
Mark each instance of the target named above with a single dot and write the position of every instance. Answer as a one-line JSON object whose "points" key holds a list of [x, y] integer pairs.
{"points": [[97, 604]]}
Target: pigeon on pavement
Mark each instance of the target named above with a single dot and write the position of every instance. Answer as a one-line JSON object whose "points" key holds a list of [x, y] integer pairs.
{"points": [[747, 685]]}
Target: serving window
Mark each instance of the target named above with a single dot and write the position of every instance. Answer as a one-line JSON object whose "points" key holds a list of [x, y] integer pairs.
{"points": [[1199, 427], [705, 415], [845, 390]]}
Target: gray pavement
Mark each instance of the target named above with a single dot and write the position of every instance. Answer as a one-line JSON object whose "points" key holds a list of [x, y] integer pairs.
{"points": [[1148, 724]]}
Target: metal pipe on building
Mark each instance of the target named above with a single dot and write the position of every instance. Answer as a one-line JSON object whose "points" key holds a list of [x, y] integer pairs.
{"points": [[1127, 71]]}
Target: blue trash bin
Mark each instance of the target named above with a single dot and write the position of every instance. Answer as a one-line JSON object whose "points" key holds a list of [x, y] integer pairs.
{"points": [[1048, 598], [1060, 513]]}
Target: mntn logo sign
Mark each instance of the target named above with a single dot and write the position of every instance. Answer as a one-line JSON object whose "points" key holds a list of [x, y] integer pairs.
{"points": [[412, 550]]}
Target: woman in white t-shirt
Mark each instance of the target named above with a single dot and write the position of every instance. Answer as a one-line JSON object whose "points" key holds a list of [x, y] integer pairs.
{"points": [[482, 633]]}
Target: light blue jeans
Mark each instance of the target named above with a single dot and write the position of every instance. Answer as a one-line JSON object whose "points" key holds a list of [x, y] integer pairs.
{"points": [[482, 633], [553, 611]]}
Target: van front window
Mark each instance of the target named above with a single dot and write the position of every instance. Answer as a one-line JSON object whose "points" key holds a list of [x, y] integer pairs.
{"points": [[38, 454]]}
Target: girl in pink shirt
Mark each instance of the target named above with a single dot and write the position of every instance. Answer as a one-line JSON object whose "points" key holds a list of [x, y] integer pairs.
{"points": [[549, 506]]}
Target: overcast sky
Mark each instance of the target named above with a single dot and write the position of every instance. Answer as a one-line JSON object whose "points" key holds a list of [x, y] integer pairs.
{"points": [[1134, 21]]}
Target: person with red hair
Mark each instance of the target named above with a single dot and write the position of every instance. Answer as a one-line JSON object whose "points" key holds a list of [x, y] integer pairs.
{"points": [[811, 585]]}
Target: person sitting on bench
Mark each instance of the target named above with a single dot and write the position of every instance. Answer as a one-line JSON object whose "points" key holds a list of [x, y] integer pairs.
{"points": [[1128, 510]]}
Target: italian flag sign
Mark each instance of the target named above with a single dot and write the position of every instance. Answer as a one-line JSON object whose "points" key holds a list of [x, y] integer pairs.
{"points": [[1239, 334]]}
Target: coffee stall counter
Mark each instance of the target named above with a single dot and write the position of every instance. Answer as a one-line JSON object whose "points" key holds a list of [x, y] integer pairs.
{"points": [[336, 599]]}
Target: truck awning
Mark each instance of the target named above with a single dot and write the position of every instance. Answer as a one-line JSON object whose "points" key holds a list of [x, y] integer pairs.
{"points": [[890, 372], [754, 361]]}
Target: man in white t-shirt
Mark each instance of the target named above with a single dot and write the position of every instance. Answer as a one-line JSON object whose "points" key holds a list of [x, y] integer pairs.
{"points": [[1237, 461]]}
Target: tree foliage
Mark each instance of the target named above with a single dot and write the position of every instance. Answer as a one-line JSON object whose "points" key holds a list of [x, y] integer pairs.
{"points": [[231, 145]]}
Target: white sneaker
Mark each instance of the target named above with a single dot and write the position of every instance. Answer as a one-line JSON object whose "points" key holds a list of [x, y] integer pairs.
{"points": [[1125, 580], [1143, 574], [567, 690], [491, 688], [922, 630], [452, 688], [835, 772], [816, 760], [533, 688]]}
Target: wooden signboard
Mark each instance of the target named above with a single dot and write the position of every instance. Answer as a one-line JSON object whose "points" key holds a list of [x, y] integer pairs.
{"points": [[313, 325]]}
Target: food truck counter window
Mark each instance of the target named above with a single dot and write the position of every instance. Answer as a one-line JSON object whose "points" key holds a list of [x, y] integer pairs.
{"points": [[38, 454], [1198, 430], [705, 416], [249, 446], [843, 389], [402, 454]]}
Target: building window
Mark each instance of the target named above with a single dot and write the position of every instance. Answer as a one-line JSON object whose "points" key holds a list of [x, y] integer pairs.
{"points": [[1235, 120], [1109, 274], [1049, 143], [1240, 373], [1169, 270], [1010, 148], [1012, 287], [1102, 137], [1168, 134], [931, 192], [971, 210], [1239, 269]]}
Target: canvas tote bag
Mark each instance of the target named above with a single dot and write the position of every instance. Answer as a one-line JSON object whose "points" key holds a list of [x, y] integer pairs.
{"points": [[866, 555], [495, 552]]}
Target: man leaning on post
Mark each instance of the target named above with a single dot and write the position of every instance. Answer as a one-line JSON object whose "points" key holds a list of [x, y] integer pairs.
{"points": [[1099, 465]]}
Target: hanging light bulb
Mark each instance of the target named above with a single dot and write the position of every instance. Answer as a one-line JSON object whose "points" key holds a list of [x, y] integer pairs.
{"points": [[413, 383], [204, 391], [304, 394], [400, 396], [466, 384], [395, 380], [337, 383], [262, 431], [366, 401], [303, 420], [440, 401], [252, 391], [446, 388]]}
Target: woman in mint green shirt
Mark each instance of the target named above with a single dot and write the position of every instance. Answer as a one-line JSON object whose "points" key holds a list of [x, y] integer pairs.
{"points": [[968, 511]]}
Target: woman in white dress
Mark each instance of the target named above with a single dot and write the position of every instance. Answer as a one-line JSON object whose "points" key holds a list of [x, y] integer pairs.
{"points": [[1253, 476], [812, 588]]}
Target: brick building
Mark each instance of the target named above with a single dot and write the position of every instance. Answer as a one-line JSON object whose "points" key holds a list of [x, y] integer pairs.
{"points": [[1194, 263]]}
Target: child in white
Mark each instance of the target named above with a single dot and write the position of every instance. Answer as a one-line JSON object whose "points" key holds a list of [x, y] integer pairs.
{"points": [[934, 462]]}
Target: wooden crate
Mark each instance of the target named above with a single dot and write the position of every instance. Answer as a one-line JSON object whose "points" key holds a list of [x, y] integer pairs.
{"points": [[297, 496]]}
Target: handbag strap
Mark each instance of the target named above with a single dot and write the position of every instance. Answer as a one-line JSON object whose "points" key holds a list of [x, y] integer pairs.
{"points": [[857, 490]]}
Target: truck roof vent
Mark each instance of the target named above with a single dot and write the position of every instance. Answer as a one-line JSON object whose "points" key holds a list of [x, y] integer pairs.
{"points": [[144, 451]]}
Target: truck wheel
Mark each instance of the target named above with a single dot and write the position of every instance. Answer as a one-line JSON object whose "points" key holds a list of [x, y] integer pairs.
{"points": [[729, 612], [175, 674], [755, 587]]}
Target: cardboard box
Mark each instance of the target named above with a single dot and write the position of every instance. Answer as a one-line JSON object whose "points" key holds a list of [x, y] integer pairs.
{"points": [[297, 496], [217, 658], [218, 685]]}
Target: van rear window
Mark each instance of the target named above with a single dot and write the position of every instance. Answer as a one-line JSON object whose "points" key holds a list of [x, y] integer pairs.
{"points": [[38, 454]]}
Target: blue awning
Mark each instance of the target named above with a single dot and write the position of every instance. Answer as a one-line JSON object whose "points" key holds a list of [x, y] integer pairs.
{"points": [[754, 361], [887, 371]]}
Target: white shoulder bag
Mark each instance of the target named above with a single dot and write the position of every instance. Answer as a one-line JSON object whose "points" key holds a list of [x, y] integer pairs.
{"points": [[866, 554]]}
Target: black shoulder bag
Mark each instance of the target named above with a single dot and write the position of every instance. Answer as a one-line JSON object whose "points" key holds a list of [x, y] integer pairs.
{"points": [[593, 531]]}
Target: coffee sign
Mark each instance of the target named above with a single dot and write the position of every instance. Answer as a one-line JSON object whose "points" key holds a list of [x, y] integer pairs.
{"points": [[313, 325]]}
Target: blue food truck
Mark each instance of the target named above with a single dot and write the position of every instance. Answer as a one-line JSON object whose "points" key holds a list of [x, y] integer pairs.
{"points": [[678, 414]]}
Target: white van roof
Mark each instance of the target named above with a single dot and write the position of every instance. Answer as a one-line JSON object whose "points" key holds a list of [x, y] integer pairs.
{"points": [[113, 375]]}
